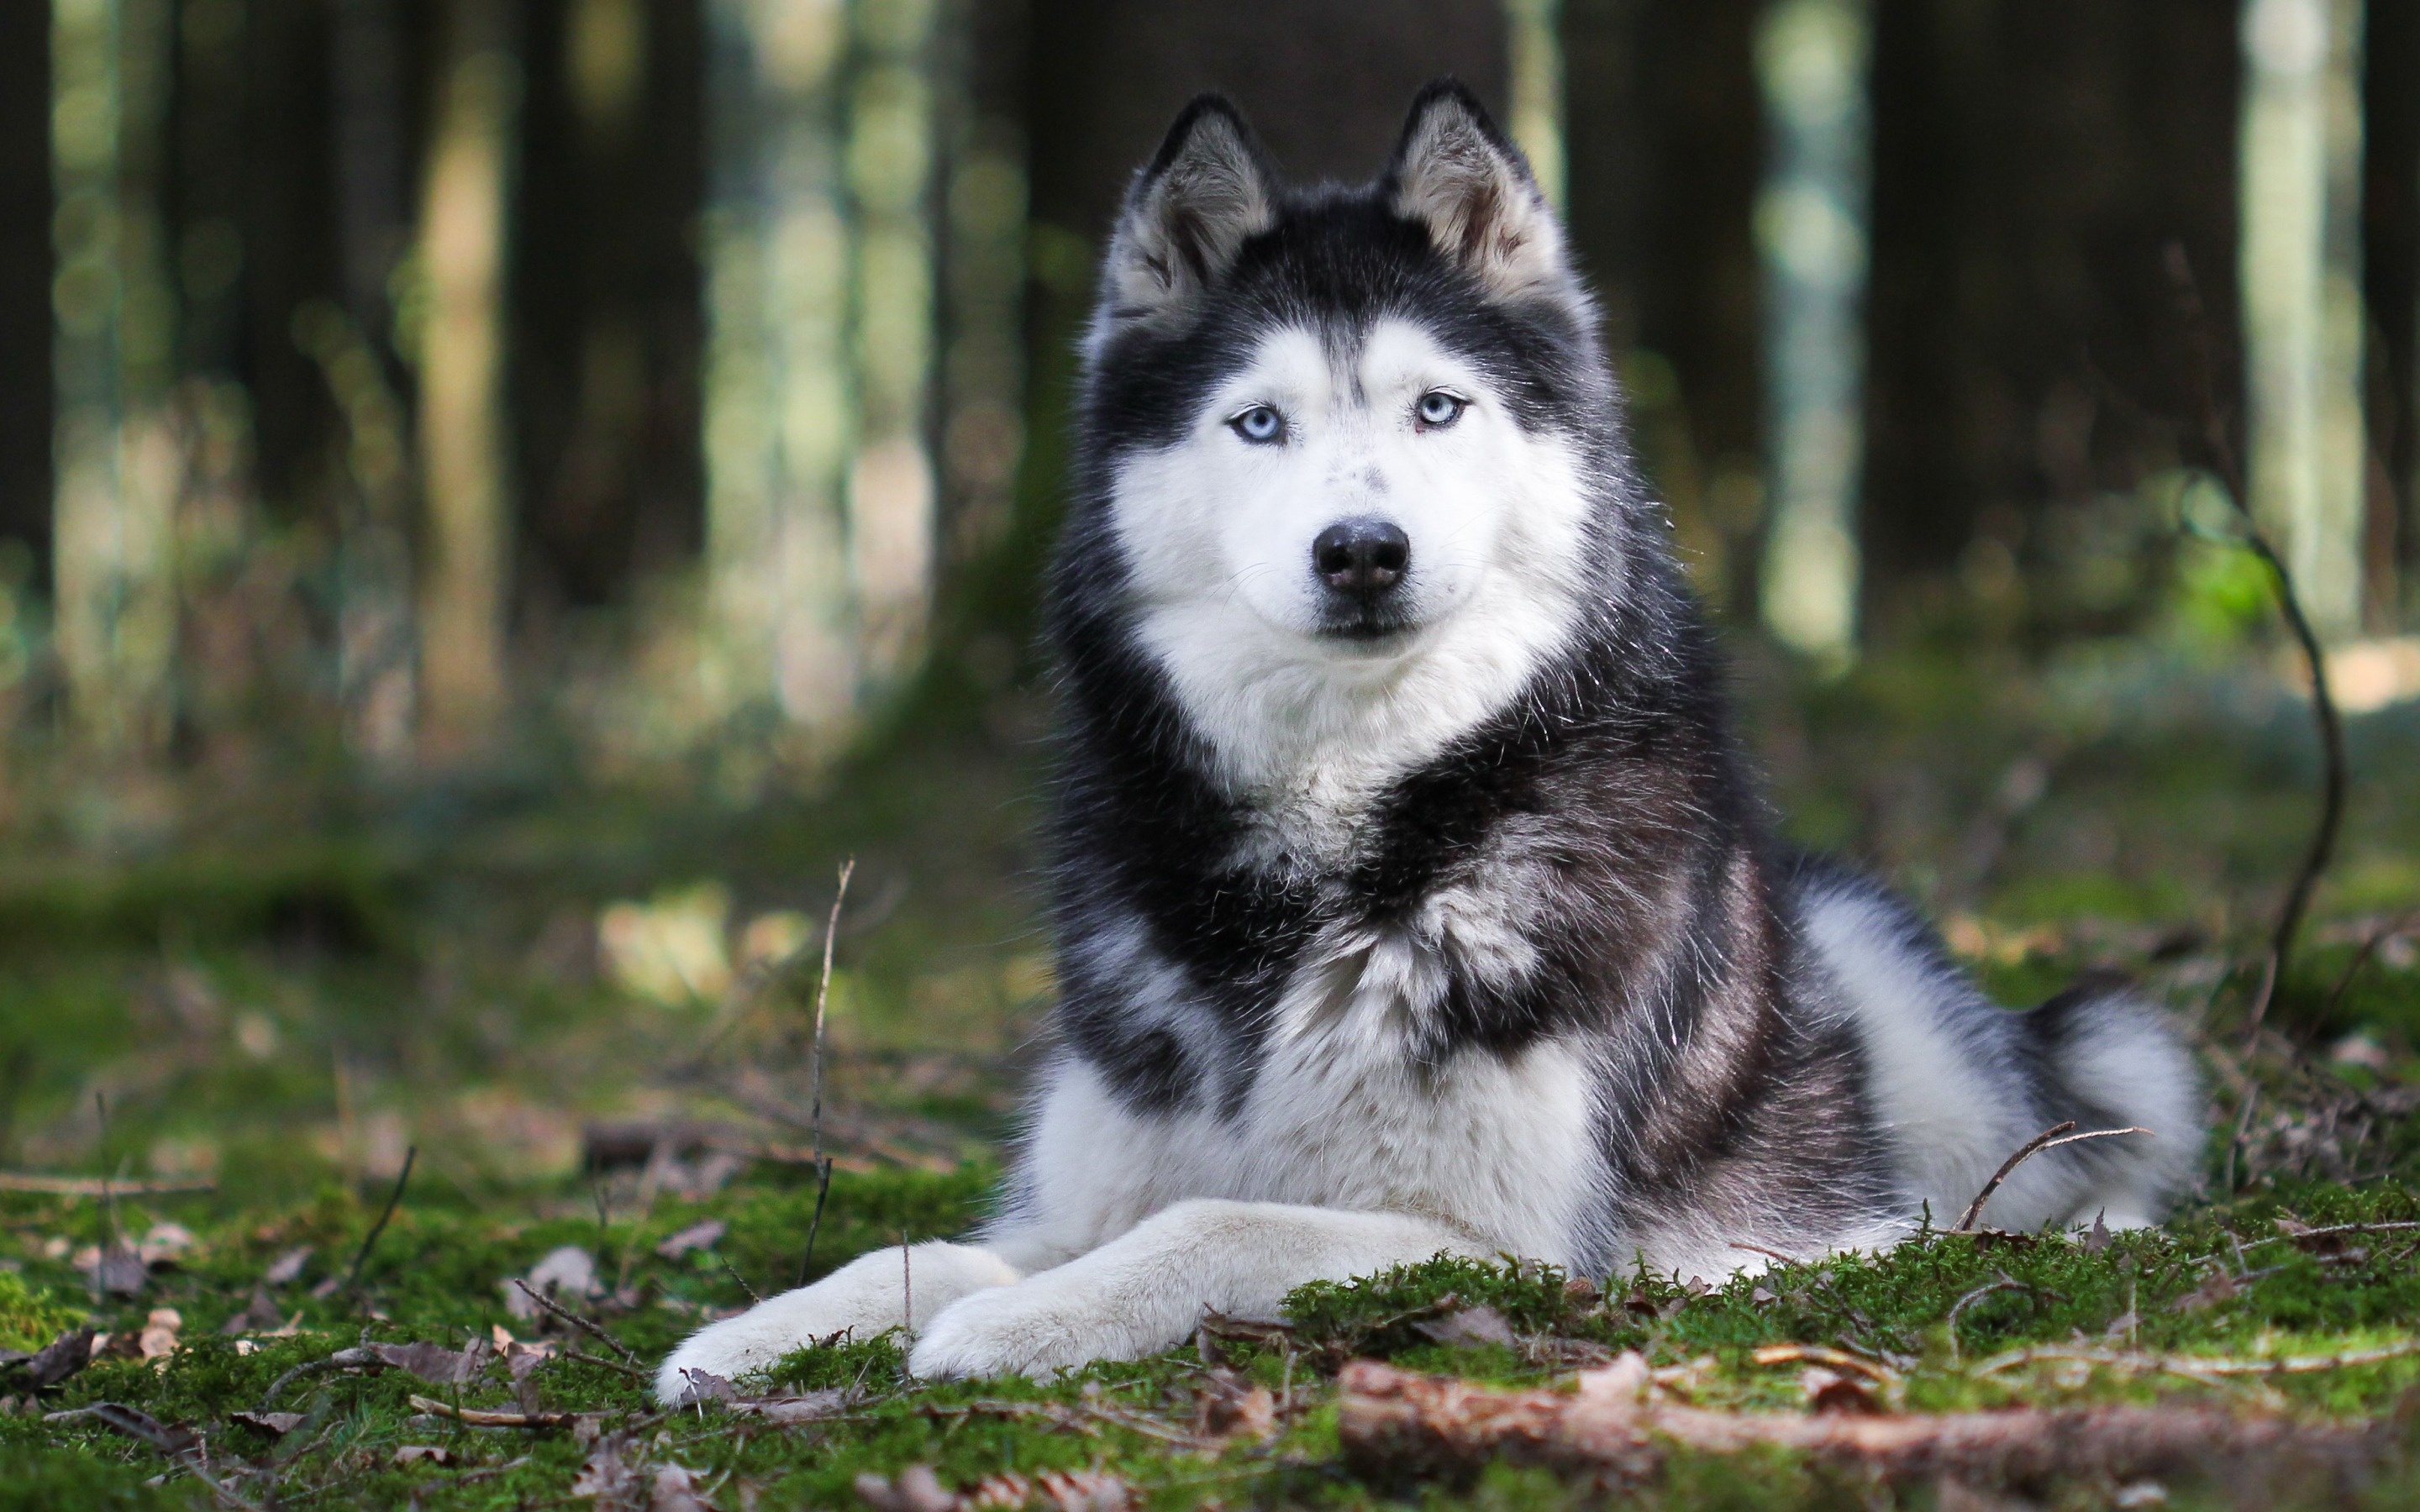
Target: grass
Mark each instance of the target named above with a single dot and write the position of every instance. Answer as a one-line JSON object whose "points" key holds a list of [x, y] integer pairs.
{"points": [[288, 1007]]}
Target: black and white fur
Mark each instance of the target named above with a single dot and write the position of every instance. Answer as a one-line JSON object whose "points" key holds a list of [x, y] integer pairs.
{"points": [[1410, 893]]}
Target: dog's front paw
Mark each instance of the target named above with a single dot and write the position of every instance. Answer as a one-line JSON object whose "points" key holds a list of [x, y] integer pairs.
{"points": [[862, 1298], [733, 1348], [1031, 1328]]}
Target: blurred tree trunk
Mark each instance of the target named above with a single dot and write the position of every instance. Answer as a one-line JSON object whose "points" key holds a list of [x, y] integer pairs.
{"points": [[2031, 160], [464, 435], [25, 283], [605, 307], [1666, 151], [2391, 271], [115, 453]]}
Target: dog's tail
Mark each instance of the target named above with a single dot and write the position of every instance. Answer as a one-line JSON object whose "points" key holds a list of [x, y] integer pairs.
{"points": [[2099, 1054]]}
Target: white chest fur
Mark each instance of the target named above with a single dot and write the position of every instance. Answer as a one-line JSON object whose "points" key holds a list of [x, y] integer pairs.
{"points": [[1338, 1116]]}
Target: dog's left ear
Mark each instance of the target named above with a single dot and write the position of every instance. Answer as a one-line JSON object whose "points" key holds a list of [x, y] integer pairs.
{"points": [[1207, 192], [1454, 173]]}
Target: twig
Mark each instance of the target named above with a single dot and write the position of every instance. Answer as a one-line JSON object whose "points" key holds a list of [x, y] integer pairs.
{"points": [[2006, 1283], [732, 1270], [2336, 1228], [2289, 604], [2361, 958], [370, 1241], [474, 1418], [353, 1359], [603, 1363], [1770, 1254], [2235, 1141], [595, 1330], [1824, 1355], [815, 1109], [2050, 1138], [598, 1360]]}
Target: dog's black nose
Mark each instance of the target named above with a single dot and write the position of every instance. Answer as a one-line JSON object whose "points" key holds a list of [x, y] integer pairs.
{"points": [[1361, 557]]}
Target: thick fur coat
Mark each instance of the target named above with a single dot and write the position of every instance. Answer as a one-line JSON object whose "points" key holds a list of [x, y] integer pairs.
{"points": [[1411, 895]]}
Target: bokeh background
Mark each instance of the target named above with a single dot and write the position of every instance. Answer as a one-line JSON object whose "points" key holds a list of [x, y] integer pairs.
{"points": [[500, 498]]}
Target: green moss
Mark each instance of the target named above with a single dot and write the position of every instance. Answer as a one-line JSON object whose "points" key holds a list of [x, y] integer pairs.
{"points": [[31, 1317]]}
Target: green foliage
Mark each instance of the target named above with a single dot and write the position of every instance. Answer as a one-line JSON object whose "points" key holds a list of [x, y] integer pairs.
{"points": [[31, 1318]]}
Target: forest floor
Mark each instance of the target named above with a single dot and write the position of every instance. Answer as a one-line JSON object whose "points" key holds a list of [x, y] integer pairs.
{"points": [[569, 1023]]}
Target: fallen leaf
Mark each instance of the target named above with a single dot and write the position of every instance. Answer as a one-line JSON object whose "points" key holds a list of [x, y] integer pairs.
{"points": [[2097, 1239], [917, 1490], [605, 1475], [676, 1490], [1228, 1405], [171, 1438], [1085, 1491], [287, 1268], [2219, 1288], [61, 1358], [260, 1316], [703, 1386], [703, 1235], [435, 1362], [412, 1454], [566, 1273], [278, 1423], [1838, 1391], [164, 1244], [796, 1407], [118, 1272], [1467, 1325]]}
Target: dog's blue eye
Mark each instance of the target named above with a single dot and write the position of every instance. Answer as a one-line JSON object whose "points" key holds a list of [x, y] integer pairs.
{"points": [[1259, 424], [1439, 409]]}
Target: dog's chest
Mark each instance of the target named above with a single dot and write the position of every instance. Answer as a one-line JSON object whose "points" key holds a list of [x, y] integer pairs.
{"points": [[1341, 1114]]}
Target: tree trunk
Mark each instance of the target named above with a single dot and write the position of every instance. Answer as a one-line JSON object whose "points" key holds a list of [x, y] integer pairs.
{"points": [[25, 288], [2390, 263], [464, 436], [2031, 162], [1665, 149]]}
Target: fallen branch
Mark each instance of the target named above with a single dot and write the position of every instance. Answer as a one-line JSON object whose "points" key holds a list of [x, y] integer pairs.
{"points": [[2198, 1365], [1394, 1424], [100, 1186], [472, 1417], [2050, 1138]]}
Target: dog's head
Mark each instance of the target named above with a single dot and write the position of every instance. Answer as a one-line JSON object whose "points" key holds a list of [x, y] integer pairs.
{"points": [[1338, 437]]}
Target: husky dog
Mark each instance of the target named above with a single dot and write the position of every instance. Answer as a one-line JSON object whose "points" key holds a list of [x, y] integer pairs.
{"points": [[1410, 895]]}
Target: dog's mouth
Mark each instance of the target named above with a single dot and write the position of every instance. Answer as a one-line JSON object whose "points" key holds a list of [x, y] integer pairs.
{"points": [[1366, 625]]}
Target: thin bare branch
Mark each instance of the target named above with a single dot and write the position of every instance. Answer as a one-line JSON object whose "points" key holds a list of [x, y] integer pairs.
{"points": [[2050, 1138], [815, 1113], [593, 1329], [2220, 451]]}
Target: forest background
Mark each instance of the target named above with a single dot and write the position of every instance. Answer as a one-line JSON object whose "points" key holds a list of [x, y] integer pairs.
{"points": [[499, 499]]}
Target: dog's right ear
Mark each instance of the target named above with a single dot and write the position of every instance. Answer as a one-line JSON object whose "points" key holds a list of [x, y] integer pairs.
{"points": [[1207, 192]]}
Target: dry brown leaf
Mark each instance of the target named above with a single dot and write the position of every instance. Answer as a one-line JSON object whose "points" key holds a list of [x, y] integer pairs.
{"points": [[704, 1235]]}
